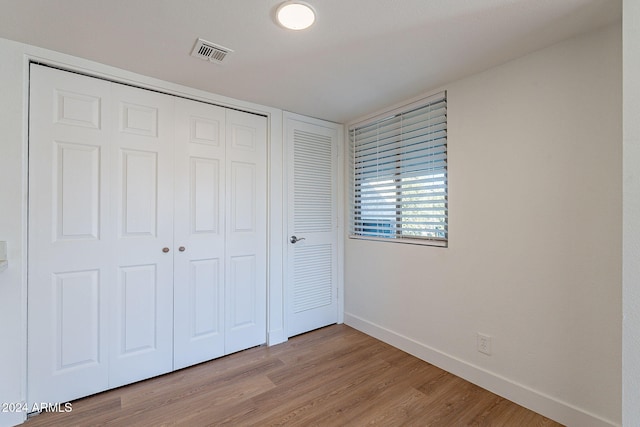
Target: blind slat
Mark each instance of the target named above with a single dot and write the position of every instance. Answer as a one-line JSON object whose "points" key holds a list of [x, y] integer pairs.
{"points": [[384, 137], [399, 181], [423, 147]]}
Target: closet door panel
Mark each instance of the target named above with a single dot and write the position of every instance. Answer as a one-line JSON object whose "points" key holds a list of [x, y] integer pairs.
{"points": [[141, 309], [69, 240], [242, 299], [138, 216], [246, 240], [199, 231], [76, 205], [147, 234]]}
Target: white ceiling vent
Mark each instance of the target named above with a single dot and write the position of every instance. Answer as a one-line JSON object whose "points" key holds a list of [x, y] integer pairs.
{"points": [[210, 51]]}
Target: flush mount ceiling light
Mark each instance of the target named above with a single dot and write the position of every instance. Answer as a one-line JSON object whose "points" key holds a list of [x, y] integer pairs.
{"points": [[295, 15]]}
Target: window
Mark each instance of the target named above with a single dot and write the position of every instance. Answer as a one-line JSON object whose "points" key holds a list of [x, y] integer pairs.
{"points": [[399, 174]]}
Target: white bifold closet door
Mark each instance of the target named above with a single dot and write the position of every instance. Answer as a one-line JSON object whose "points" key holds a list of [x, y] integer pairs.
{"points": [[71, 245], [246, 228], [200, 232], [140, 300], [147, 234], [220, 288]]}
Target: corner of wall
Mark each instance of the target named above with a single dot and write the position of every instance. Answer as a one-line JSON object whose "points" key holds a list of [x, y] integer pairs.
{"points": [[13, 231], [631, 214]]}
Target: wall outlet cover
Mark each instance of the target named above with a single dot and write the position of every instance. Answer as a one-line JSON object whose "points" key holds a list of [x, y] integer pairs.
{"points": [[484, 344]]}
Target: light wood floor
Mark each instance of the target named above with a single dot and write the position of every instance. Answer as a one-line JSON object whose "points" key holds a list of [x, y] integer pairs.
{"points": [[335, 376]]}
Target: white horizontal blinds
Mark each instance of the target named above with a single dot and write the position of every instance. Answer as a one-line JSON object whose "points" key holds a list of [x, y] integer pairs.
{"points": [[400, 174]]}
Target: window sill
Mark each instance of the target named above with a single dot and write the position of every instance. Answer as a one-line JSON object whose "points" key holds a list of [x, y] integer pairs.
{"points": [[406, 240]]}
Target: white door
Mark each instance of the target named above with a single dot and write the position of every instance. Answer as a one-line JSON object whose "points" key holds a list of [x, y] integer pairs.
{"points": [[312, 255], [199, 233], [127, 272], [70, 244], [100, 214], [246, 231], [141, 201], [221, 235]]}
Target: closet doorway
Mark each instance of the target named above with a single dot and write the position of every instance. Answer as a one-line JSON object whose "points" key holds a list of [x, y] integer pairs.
{"points": [[147, 233]]}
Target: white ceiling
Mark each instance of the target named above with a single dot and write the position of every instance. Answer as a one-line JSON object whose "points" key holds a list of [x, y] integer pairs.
{"points": [[359, 57]]}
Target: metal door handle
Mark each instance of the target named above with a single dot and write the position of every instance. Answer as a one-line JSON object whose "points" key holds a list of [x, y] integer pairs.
{"points": [[182, 249], [295, 239], [165, 250]]}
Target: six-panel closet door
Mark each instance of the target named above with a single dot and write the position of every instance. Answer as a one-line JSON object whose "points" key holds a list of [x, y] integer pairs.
{"points": [[71, 240], [220, 232], [246, 228], [147, 234], [141, 202], [199, 232]]}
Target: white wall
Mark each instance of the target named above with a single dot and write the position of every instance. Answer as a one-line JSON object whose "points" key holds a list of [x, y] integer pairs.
{"points": [[631, 214], [13, 202], [546, 285], [12, 230], [534, 257]]}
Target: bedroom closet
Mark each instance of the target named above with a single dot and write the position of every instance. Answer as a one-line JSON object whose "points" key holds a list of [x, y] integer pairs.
{"points": [[147, 233]]}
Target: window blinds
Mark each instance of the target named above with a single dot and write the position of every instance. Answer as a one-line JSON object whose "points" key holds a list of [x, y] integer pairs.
{"points": [[399, 176]]}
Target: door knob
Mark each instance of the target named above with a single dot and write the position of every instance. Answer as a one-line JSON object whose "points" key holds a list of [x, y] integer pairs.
{"points": [[182, 249], [165, 250], [295, 239]]}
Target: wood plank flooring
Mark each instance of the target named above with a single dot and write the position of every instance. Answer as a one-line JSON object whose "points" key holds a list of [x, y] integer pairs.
{"points": [[335, 376]]}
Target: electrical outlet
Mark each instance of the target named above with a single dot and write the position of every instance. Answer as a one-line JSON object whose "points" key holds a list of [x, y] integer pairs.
{"points": [[484, 344]]}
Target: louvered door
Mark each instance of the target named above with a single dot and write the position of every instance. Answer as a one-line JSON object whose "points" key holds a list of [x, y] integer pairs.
{"points": [[312, 224]]}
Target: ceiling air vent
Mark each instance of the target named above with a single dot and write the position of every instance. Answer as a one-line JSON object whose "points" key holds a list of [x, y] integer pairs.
{"points": [[210, 51]]}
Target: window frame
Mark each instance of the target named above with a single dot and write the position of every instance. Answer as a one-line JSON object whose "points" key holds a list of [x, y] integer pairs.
{"points": [[397, 187]]}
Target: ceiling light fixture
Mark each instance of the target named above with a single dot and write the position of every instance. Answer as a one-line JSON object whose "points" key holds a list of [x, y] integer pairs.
{"points": [[295, 15]]}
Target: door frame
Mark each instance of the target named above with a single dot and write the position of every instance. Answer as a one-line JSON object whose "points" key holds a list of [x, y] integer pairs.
{"points": [[340, 194], [275, 242]]}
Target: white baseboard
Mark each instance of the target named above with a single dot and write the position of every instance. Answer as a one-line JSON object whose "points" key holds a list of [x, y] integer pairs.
{"points": [[541, 403]]}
